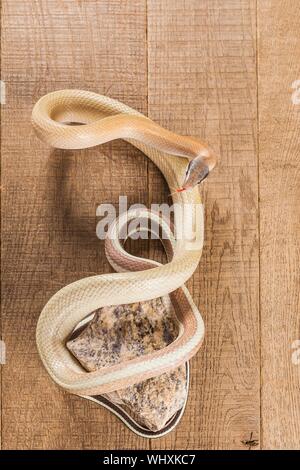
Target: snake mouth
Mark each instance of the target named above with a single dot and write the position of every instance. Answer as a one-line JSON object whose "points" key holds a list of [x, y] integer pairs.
{"points": [[184, 188]]}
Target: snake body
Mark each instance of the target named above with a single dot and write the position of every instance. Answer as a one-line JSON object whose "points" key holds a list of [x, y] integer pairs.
{"points": [[103, 119]]}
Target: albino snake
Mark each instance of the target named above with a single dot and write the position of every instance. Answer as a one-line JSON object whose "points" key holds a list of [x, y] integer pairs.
{"points": [[103, 120]]}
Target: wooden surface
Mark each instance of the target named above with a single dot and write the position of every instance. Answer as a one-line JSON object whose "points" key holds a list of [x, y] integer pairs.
{"points": [[221, 70], [279, 175]]}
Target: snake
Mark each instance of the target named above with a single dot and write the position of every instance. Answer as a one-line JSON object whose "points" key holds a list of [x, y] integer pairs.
{"points": [[78, 119]]}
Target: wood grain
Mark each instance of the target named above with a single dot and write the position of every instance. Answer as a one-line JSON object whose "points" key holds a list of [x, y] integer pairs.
{"points": [[279, 121], [50, 198], [202, 81]]}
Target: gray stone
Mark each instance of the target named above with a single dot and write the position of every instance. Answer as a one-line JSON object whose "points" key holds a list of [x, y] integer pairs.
{"points": [[124, 332]]}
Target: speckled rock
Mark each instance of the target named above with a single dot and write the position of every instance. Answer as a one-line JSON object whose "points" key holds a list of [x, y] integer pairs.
{"points": [[124, 332]]}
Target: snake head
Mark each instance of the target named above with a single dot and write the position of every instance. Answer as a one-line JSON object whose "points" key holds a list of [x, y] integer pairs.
{"points": [[198, 169]]}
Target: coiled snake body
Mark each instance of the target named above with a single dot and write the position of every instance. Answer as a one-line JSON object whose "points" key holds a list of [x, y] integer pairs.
{"points": [[104, 119]]}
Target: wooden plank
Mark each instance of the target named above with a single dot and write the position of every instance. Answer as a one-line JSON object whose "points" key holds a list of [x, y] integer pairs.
{"points": [[279, 124], [50, 198], [202, 81]]}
